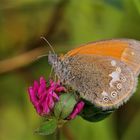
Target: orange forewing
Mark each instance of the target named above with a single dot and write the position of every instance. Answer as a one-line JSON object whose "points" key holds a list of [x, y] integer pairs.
{"points": [[103, 48], [126, 50]]}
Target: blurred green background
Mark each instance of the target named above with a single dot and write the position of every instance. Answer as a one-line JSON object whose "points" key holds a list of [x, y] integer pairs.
{"points": [[66, 24]]}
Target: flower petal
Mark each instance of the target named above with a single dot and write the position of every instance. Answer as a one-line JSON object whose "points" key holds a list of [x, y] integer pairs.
{"points": [[32, 95], [39, 109], [55, 96], [77, 110], [45, 107], [52, 83], [41, 90], [50, 102], [35, 86], [42, 81], [43, 97], [60, 89]]}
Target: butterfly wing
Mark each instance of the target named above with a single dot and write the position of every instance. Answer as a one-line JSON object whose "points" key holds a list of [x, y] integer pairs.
{"points": [[104, 81], [131, 56], [126, 50]]}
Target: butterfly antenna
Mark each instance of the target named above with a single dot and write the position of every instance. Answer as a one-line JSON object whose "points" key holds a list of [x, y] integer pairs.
{"points": [[41, 56], [42, 37]]}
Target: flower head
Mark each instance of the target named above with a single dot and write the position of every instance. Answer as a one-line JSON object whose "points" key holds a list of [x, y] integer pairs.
{"points": [[43, 97], [78, 108]]}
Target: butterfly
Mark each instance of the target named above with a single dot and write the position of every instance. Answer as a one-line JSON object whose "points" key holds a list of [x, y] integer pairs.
{"points": [[105, 73]]}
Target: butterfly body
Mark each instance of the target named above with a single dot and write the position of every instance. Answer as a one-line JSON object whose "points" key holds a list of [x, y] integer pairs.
{"points": [[104, 73]]}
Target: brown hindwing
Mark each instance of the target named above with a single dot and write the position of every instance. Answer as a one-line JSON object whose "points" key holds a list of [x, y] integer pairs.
{"points": [[104, 81]]}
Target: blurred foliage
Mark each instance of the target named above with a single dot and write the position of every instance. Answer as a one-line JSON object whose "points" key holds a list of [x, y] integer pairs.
{"points": [[65, 23]]}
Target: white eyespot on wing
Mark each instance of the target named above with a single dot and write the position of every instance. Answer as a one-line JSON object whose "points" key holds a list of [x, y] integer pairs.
{"points": [[105, 98], [114, 94], [119, 86], [115, 77], [113, 63]]}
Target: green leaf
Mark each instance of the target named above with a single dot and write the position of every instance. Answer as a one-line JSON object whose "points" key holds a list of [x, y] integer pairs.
{"points": [[65, 106], [93, 114], [47, 128]]}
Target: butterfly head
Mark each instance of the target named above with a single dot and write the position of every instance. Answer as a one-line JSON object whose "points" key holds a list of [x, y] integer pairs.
{"points": [[53, 59], [56, 62], [59, 66]]}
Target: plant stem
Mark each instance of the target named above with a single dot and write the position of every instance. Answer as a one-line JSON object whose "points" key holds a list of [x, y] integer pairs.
{"points": [[58, 134]]}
